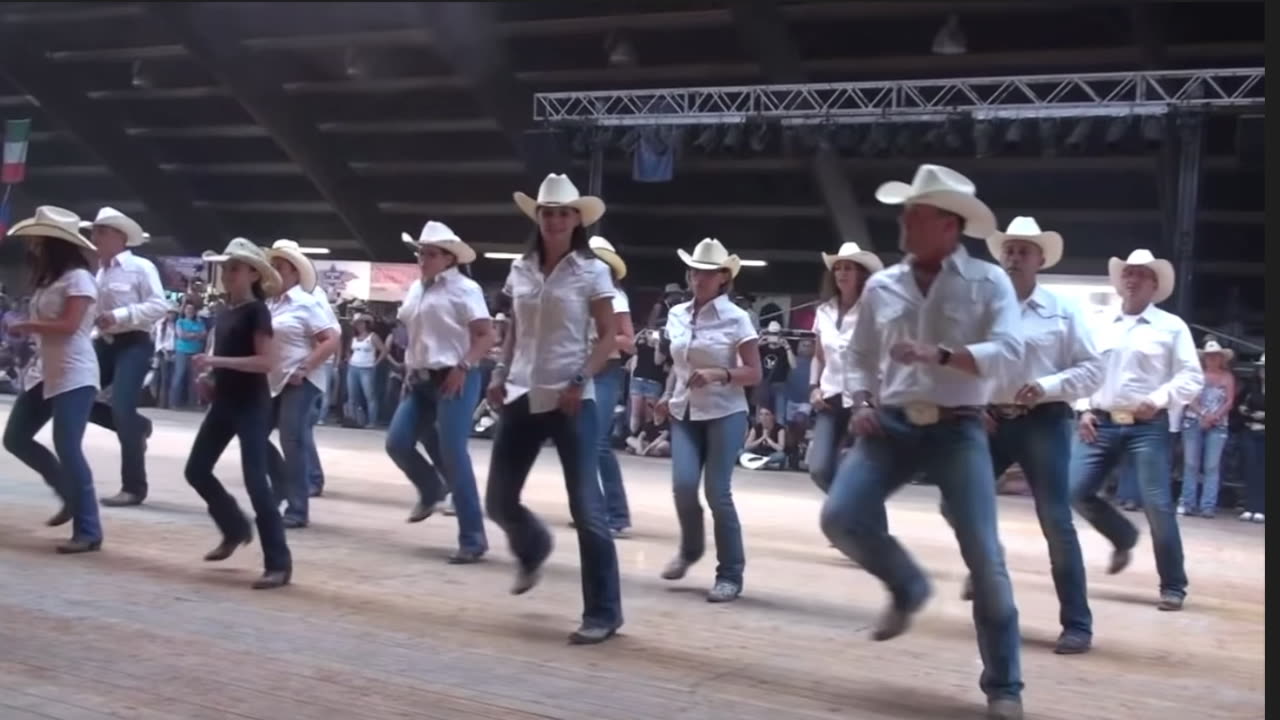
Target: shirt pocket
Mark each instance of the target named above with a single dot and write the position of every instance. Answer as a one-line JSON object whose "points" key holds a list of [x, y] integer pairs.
{"points": [[1151, 350]]}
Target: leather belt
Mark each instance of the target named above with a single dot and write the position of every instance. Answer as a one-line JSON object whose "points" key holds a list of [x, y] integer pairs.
{"points": [[1123, 417], [925, 414], [1008, 412], [129, 336], [431, 375]]}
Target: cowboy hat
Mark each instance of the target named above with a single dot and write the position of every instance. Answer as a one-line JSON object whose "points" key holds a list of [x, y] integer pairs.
{"points": [[604, 250], [1163, 269], [850, 251], [709, 254], [57, 223], [439, 234], [113, 218], [752, 461], [245, 251], [290, 252], [1028, 230], [944, 189], [774, 328], [559, 190], [1212, 347]]}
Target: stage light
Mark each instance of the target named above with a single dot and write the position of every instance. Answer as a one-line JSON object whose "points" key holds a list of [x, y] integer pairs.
{"points": [[1116, 132], [1079, 135], [503, 255], [752, 263]]}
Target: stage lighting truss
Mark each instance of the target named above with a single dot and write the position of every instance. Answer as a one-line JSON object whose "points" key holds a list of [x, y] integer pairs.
{"points": [[996, 98]]}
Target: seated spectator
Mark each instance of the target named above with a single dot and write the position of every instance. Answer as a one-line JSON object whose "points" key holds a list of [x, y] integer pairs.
{"points": [[654, 437], [768, 440]]}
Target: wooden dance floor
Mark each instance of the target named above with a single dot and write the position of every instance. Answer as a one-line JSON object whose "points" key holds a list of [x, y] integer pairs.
{"points": [[378, 626]]}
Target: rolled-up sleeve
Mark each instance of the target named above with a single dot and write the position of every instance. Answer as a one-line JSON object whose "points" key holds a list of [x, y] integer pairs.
{"points": [[1001, 353], [1083, 374], [153, 305], [863, 355], [1188, 376]]}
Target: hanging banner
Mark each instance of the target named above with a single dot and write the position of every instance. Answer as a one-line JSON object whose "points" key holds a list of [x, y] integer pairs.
{"points": [[177, 272], [389, 282], [344, 279]]}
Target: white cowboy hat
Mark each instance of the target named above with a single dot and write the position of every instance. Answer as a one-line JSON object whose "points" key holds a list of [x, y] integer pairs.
{"points": [[1027, 229], [1163, 269], [850, 251], [605, 251], [672, 289], [709, 254], [944, 189], [51, 221], [752, 461], [500, 317], [774, 328], [1212, 347], [559, 190], [290, 252], [113, 218], [247, 252], [440, 235]]}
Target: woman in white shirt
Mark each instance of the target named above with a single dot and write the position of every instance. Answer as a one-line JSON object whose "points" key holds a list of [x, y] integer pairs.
{"points": [[448, 333], [608, 385], [543, 383], [366, 352], [63, 383], [715, 356], [847, 273], [305, 337]]}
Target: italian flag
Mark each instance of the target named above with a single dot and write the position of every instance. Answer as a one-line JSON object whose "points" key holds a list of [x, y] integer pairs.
{"points": [[16, 133]]}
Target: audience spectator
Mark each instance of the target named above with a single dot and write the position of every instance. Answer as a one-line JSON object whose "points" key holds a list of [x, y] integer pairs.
{"points": [[767, 439], [653, 439]]}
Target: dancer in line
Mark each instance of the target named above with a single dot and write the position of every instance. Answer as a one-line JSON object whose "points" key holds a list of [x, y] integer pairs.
{"points": [[449, 332], [715, 355], [543, 384], [234, 376], [306, 335], [932, 335], [847, 273], [63, 382], [609, 390], [130, 301]]}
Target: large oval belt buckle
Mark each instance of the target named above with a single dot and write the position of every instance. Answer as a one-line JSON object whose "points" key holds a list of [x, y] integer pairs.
{"points": [[1122, 417], [922, 413]]}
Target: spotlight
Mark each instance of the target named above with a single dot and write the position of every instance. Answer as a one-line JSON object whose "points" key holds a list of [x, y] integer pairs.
{"points": [[1048, 128], [950, 39], [982, 132], [1079, 135], [1116, 132], [877, 141], [628, 142], [706, 141], [1153, 131], [1013, 135], [732, 138], [759, 138]]}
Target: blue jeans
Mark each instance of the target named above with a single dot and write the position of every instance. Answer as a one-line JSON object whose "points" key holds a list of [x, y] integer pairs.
{"points": [[292, 415], [710, 448], [830, 427], [123, 365], [1201, 464], [1147, 443], [1253, 452], [180, 381], [608, 391], [1127, 483], [955, 456], [250, 422], [68, 473], [315, 472], [519, 437], [423, 413], [360, 393]]}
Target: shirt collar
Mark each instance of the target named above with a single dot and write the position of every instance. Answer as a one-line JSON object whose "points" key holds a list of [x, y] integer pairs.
{"points": [[295, 294], [118, 260], [958, 261], [1039, 298], [1147, 315], [442, 277]]}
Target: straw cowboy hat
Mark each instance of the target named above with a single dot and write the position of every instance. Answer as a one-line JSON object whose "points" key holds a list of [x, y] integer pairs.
{"points": [[440, 235], [113, 218], [247, 252], [774, 328], [1211, 347], [709, 254], [604, 250], [289, 251], [851, 252], [752, 461], [1028, 230], [1163, 269], [58, 223], [559, 191], [944, 189]]}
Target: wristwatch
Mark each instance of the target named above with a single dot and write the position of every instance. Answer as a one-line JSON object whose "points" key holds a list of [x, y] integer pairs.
{"points": [[579, 380]]}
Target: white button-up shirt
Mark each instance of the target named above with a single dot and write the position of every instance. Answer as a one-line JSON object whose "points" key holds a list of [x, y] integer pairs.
{"points": [[163, 335], [438, 319], [971, 304], [621, 306], [129, 288], [323, 297], [296, 318], [553, 320], [64, 362], [1149, 356], [710, 340], [834, 335], [1059, 352]]}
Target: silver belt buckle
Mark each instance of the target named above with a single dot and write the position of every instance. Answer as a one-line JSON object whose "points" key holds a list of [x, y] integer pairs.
{"points": [[1122, 417], [921, 414]]}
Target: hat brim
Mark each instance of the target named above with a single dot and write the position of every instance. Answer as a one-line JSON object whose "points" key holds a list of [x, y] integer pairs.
{"points": [[868, 260], [1050, 244], [1226, 353], [133, 233], [613, 260], [589, 206], [1165, 278], [731, 263], [455, 247], [32, 229], [979, 220], [270, 279], [306, 269], [751, 461]]}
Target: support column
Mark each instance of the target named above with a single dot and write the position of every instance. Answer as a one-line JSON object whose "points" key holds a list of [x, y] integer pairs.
{"points": [[595, 183], [1190, 134]]}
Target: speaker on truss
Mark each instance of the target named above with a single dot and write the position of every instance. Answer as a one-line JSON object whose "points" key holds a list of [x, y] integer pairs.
{"points": [[1249, 142]]}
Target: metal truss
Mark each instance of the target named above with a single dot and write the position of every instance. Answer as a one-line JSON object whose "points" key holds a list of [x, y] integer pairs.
{"points": [[1031, 96]]}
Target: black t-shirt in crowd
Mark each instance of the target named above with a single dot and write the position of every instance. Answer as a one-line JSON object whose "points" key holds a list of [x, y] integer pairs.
{"points": [[646, 364], [775, 435], [234, 334], [774, 362]]}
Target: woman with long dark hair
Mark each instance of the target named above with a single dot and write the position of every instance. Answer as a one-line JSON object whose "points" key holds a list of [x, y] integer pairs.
{"points": [[847, 273], [543, 383], [63, 383], [234, 377]]}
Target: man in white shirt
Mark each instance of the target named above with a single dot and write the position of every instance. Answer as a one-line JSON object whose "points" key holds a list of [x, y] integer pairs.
{"points": [[130, 301], [1031, 416], [1150, 365], [932, 335], [315, 471]]}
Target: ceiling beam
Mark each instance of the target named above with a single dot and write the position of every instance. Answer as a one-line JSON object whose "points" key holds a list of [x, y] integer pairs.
{"points": [[100, 130], [206, 33]]}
